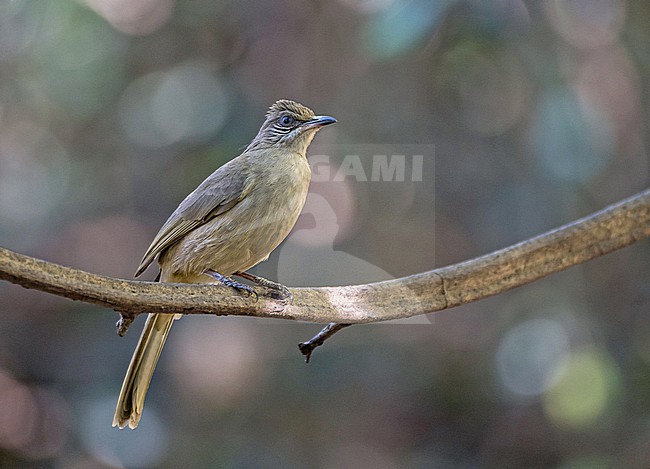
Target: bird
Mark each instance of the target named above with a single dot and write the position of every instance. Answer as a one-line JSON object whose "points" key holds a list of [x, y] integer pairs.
{"points": [[231, 222]]}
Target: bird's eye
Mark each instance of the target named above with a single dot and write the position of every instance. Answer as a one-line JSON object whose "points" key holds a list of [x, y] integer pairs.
{"points": [[287, 121]]}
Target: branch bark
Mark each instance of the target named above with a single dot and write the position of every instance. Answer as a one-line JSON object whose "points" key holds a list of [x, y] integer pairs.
{"points": [[616, 226]]}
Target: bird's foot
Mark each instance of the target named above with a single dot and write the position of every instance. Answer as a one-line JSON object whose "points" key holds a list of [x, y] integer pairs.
{"points": [[229, 282], [278, 291]]}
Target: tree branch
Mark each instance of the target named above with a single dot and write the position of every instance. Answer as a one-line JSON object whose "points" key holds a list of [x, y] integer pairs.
{"points": [[615, 227]]}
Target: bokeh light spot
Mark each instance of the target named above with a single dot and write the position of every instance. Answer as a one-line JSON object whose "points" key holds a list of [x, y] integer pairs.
{"points": [[136, 18], [80, 59], [529, 355], [34, 173], [32, 421], [571, 142], [399, 27], [493, 94], [184, 104], [146, 447], [584, 390], [587, 23]]}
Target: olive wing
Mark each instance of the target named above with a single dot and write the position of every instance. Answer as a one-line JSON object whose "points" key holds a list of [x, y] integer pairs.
{"points": [[220, 192]]}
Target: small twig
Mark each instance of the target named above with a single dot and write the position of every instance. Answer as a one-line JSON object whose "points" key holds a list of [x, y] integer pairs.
{"points": [[306, 348], [124, 323]]}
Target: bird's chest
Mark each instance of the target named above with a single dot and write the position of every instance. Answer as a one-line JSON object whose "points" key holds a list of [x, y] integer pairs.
{"points": [[245, 235], [285, 190]]}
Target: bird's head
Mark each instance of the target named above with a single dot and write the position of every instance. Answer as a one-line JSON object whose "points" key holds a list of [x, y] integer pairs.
{"points": [[289, 125]]}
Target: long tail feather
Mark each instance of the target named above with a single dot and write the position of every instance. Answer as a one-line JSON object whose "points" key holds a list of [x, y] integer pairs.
{"points": [[138, 376]]}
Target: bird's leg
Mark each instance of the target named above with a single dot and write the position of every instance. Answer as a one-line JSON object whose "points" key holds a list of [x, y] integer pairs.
{"points": [[227, 281], [306, 348], [281, 292]]}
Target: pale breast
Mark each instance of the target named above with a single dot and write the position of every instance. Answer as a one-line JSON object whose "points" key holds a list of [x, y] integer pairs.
{"points": [[245, 235]]}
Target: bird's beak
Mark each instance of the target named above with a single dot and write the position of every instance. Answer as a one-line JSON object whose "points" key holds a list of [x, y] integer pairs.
{"points": [[320, 121]]}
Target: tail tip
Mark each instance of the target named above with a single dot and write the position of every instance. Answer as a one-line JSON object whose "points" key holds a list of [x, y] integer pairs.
{"points": [[121, 422]]}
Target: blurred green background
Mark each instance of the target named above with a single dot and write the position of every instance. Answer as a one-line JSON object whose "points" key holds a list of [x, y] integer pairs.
{"points": [[528, 114]]}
